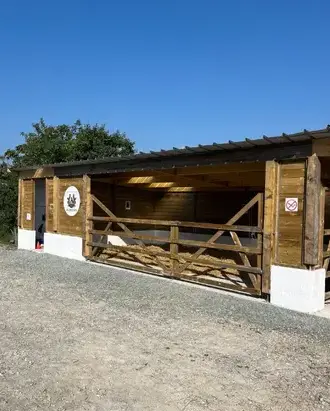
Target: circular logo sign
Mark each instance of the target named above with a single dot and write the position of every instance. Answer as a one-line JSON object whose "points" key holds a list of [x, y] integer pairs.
{"points": [[71, 201]]}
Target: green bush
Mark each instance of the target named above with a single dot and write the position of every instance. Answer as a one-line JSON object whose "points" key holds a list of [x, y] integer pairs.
{"points": [[8, 202]]}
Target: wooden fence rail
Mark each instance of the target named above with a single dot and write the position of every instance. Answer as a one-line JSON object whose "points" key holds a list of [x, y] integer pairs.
{"points": [[186, 224], [175, 263]]}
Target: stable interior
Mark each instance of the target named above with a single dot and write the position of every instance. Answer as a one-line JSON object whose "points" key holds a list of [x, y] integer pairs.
{"points": [[186, 205]]}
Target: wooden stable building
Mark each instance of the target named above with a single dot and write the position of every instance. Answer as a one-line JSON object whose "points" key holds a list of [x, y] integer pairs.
{"points": [[252, 216]]}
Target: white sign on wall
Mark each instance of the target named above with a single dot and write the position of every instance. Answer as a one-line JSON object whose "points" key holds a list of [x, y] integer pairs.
{"points": [[291, 205], [28, 216], [71, 201]]}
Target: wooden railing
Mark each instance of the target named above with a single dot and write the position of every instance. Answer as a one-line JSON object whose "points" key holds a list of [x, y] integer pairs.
{"points": [[178, 263]]}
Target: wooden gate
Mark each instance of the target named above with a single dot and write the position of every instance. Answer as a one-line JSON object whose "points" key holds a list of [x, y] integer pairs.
{"points": [[234, 264]]}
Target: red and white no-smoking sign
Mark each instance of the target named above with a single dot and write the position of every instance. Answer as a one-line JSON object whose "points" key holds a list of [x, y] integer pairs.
{"points": [[291, 205]]}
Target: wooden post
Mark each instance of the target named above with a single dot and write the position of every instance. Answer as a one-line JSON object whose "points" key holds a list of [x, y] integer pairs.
{"points": [[47, 204], [174, 249], [259, 235], [56, 203], [270, 221], [321, 226], [19, 205], [313, 230], [33, 208], [88, 214]]}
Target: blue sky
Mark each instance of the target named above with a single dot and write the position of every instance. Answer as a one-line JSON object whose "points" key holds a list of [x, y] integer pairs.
{"points": [[168, 73]]}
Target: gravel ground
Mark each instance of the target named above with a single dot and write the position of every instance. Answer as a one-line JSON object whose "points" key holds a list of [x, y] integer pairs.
{"points": [[76, 336]]}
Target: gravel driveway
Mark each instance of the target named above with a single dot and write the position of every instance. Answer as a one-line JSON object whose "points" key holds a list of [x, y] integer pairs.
{"points": [[76, 336]]}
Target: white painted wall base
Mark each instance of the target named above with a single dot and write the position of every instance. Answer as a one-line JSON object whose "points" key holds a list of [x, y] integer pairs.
{"points": [[64, 246], [224, 239], [26, 239], [297, 289]]}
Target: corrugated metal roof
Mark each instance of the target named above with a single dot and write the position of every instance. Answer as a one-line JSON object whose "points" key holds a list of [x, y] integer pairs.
{"points": [[295, 138]]}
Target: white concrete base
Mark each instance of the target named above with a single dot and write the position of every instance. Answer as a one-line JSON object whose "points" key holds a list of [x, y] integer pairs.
{"points": [[26, 239], [64, 246], [224, 239], [297, 289]]}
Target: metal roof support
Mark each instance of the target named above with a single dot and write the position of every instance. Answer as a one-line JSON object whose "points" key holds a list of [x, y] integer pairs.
{"points": [[287, 137], [234, 144], [218, 146], [248, 140], [267, 139]]}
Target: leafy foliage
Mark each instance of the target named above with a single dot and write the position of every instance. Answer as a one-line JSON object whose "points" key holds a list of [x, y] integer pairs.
{"points": [[8, 199], [55, 144], [48, 144]]}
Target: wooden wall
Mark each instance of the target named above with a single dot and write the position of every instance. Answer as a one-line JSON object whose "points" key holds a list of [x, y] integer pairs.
{"points": [[66, 224], [213, 207], [57, 219], [290, 225], [49, 205], [283, 231], [26, 204]]}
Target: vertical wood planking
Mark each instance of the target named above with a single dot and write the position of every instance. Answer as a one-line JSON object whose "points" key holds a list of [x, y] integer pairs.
{"points": [[49, 205], [88, 225], [19, 205], [27, 204], [33, 205], [71, 225], [321, 227], [56, 203], [270, 221], [290, 227], [174, 248], [312, 211]]}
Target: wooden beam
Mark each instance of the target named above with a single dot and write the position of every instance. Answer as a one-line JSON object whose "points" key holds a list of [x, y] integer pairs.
{"points": [[225, 168], [312, 212], [56, 202], [33, 217], [190, 181], [250, 278], [187, 243], [41, 172], [270, 222], [88, 213], [19, 204], [259, 236], [132, 235], [189, 224], [165, 180], [47, 205], [188, 171]]}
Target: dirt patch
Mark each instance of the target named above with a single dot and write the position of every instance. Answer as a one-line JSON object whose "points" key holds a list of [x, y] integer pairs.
{"points": [[78, 336]]}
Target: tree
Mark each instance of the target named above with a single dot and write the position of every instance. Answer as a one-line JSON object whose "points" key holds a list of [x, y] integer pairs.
{"points": [[48, 144], [8, 199], [55, 144]]}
